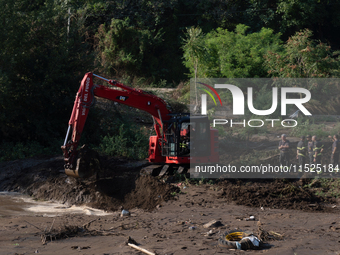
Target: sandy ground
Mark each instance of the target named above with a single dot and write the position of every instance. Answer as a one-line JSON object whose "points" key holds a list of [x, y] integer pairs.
{"points": [[165, 230], [163, 212]]}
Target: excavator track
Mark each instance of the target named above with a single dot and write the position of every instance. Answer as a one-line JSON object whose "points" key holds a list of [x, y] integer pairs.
{"points": [[168, 171]]}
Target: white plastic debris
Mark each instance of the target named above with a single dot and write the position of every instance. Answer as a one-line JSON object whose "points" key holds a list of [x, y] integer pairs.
{"points": [[209, 233], [250, 218], [255, 241], [125, 213]]}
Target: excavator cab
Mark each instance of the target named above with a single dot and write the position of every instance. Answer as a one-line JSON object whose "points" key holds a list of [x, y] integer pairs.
{"points": [[186, 136]]}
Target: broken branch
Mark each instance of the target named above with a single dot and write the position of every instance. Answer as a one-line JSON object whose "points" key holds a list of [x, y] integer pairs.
{"points": [[141, 249]]}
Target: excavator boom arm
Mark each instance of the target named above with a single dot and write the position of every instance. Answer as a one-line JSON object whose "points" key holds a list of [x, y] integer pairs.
{"points": [[118, 93]]}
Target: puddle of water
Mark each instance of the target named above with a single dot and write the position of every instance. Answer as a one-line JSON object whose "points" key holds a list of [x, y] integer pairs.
{"points": [[12, 203]]}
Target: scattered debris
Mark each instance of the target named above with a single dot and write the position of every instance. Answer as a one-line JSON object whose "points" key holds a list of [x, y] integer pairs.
{"points": [[66, 232], [125, 213], [86, 225], [237, 239], [209, 233], [132, 243], [213, 224], [80, 248], [271, 235], [72, 231], [33, 225], [250, 218], [141, 249], [192, 227]]}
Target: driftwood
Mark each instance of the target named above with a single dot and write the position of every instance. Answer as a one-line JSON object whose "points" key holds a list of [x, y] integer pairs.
{"points": [[141, 249], [86, 225], [33, 225], [71, 231]]}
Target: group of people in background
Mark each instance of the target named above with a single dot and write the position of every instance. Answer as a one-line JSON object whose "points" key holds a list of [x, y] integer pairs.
{"points": [[309, 151]]}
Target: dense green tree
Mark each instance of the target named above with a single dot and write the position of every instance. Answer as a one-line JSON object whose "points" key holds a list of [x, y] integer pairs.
{"points": [[124, 49], [289, 16], [40, 67], [46, 46], [303, 57], [230, 54], [163, 20]]}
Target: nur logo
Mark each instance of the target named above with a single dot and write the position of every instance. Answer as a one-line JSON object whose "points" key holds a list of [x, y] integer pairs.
{"points": [[204, 97], [238, 99]]}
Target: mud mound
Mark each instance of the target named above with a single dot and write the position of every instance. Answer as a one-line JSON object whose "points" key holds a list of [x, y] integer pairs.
{"points": [[122, 186], [149, 193], [271, 193], [109, 194]]}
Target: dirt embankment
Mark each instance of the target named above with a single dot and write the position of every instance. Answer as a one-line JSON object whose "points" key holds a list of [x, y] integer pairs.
{"points": [[283, 194], [45, 180], [123, 187]]}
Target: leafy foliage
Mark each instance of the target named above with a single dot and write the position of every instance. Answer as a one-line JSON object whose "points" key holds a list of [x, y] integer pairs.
{"points": [[47, 46], [125, 49], [289, 16], [304, 57], [128, 142], [40, 65], [307, 127], [21, 150], [194, 49], [222, 53]]}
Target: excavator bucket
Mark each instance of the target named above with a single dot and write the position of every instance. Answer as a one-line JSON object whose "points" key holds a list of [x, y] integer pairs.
{"points": [[86, 164]]}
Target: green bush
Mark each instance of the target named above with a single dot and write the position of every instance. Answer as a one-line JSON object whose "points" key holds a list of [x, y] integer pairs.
{"points": [[130, 142], [222, 53], [19, 150], [306, 128]]}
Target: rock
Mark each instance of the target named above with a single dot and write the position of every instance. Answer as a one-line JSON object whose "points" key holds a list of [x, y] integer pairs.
{"points": [[213, 224]]}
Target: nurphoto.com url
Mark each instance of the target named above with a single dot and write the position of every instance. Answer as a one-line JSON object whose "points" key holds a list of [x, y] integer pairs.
{"points": [[264, 169]]}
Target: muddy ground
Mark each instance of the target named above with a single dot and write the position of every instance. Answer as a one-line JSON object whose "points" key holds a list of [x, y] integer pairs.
{"points": [[161, 213]]}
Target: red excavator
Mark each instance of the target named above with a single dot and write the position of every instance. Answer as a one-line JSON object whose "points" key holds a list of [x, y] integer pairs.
{"points": [[180, 139]]}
